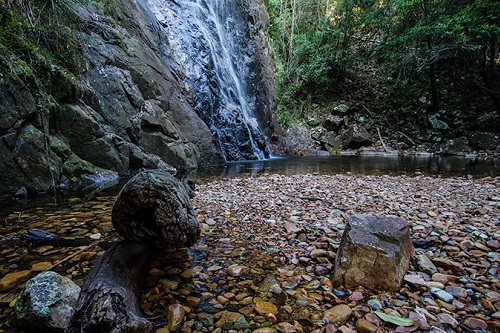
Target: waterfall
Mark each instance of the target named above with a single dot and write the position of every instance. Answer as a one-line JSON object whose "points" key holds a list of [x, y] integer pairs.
{"points": [[207, 48]]}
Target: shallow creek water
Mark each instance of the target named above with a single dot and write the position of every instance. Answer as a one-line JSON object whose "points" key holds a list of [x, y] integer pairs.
{"points": [[225, 282]]}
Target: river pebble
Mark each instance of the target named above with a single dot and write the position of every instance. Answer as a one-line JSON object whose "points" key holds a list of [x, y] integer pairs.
{"points": [[267, 254]]}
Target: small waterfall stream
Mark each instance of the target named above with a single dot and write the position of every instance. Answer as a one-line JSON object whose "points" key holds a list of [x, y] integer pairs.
{"points": [[206, 45]]}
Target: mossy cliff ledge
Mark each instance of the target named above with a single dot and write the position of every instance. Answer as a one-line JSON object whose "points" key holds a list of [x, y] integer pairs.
{"points": [[109, 108]]}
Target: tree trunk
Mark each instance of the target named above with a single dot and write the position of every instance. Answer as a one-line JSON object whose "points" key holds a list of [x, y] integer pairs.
{"points": [[488, 74], [434, 89], [432, 67], [292, 32], [109, 300]]}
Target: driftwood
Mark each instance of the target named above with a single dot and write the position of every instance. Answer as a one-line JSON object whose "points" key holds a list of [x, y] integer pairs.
{"points": [[154, 206], [109, 300], [152, 210], [382, 141]]}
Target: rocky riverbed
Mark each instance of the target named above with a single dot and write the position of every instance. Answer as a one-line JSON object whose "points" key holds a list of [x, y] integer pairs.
{"points": [[265, 259]]}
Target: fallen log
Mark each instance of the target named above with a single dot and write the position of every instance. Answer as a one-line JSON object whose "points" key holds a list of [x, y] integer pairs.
{"points": [[152, 210], [154, 206], [109, 300]]}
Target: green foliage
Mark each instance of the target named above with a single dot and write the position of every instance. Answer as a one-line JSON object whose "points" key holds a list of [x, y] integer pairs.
{"points": [[318, 42], [394, 319], [307, 58], [37, 42]]}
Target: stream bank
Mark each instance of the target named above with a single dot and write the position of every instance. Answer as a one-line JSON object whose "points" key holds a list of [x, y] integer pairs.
{"points": [[227, 281]]}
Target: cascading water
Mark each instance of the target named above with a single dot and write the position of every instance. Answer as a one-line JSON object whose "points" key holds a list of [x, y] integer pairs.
{"points": [[207, 43]]}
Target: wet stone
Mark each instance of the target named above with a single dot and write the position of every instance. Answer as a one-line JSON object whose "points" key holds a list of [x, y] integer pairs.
{"points": [[264, 330], [47, 302], [232, 320], [175, 317], [162, 330], [41, 266], [12, 280], [285, 327]]}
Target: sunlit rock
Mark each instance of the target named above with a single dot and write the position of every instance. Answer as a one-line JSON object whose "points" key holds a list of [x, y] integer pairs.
{"points": [[374, 253]]}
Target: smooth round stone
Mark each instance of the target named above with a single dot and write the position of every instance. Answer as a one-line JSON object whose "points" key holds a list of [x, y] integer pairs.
{"points": [[285, 327], [356, 296], [237, 270], [264, 307], [374, 304], [175, 317], [442, 295], [434, 284], [475, 323], [364, 326], [339, 314], [456, 291]]}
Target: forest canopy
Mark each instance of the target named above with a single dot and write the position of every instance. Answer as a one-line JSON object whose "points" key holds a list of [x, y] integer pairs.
{"points": [[318, 44]]}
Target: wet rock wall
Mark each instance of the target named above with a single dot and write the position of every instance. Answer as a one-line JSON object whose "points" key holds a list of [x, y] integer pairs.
{"points": [[126, 110]]}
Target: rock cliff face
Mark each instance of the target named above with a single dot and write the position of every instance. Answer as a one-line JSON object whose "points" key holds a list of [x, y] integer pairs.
{"points": [[218, 49], [127, 110]]}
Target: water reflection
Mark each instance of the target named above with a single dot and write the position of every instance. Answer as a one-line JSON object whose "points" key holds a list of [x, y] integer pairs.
{"points": [[391, 165], [377, 165]]}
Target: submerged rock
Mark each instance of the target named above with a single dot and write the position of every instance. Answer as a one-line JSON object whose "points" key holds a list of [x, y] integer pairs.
{"points": [[374, 253], [47, 302], [12, 280], [175, 317]]}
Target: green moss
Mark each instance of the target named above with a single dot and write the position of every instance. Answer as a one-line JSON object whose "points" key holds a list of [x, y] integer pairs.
{"points": [[397, 258], [36, 39]]}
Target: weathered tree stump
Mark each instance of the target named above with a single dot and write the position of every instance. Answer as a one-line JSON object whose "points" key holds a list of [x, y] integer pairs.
{"points": [[109, 300], [152, 210], [155, 207]]}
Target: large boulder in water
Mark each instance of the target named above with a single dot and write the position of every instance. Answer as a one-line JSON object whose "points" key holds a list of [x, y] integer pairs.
{"points": [[374, 252], [154, 207], [47, 302]]}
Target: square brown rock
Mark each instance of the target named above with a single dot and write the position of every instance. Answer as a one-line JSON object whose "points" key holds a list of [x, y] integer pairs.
{"points": [[374, 252]]}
